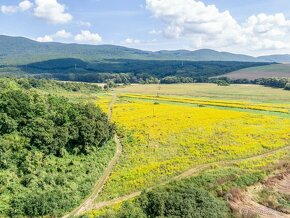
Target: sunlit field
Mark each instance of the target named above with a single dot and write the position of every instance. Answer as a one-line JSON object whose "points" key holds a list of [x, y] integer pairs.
{"points": [[162, 139], [221, 179], [252, 93]]}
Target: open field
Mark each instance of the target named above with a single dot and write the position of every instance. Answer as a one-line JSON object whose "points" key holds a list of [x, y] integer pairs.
{"points": [[269, 71], [187, 132], [215, 103], [162, 140], [218, 178], [249, 93]]}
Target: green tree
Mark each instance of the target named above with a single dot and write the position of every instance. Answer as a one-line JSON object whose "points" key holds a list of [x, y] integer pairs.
{"points": [[7, 124]]}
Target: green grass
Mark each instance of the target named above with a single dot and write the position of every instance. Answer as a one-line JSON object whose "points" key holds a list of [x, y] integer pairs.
{"points": [[270, 113], [251, 93]]}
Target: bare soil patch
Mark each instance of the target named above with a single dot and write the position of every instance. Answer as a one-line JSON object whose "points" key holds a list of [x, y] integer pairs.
{"points": [[246, 203]]}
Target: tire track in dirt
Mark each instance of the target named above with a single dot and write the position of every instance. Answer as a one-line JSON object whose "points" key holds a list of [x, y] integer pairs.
{"points": [[189, 173], [88, 204]]}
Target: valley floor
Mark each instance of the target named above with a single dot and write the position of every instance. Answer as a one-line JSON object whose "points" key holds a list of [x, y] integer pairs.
{"points": [[162, 146]]}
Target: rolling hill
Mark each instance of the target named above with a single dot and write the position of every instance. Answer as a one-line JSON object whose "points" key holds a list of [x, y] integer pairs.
{"points": [[21, 55], [285, 58], [266, 71], [19, 51]]}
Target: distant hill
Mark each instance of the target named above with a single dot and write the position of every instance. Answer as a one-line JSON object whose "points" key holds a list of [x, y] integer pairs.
{"points": [[267, 71], [19, 51], [276, 58], [20, 55]]}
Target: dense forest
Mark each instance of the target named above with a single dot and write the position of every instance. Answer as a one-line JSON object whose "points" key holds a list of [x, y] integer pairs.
{"points": [[52, 150], [131, 71]]}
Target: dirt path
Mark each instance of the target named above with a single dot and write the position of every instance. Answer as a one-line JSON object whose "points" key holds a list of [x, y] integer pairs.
{"points": [[189, 173], [110, 108], [88, 204], [249, 208], [245, 204], [283, 185]]}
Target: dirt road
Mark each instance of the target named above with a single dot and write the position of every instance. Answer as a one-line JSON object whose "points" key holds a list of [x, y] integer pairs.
{"points": [[189, 173], [88, 204]]}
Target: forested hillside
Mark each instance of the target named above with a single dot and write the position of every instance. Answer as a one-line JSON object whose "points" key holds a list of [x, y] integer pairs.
{"points": [[100, 63], [52, 150], [131, 71], [19, 50]]}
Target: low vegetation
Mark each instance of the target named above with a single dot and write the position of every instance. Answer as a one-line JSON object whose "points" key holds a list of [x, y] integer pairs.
{"points": [[275, 200], [158, 146], [216, 184]]}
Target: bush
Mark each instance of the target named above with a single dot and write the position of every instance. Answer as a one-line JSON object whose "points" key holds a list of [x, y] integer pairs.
{"points": [[181, 201], [287, 87], [222, 83], [174, 201]]}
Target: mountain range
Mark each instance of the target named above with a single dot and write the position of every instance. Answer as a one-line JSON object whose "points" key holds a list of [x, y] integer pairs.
{"points": [[20, 51]]}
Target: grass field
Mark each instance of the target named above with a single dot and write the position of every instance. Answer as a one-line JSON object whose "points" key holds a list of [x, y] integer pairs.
{"points": [[163, 139], [268, 71], [249, 93]]}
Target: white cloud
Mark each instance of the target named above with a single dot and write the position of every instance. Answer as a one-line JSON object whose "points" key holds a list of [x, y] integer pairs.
{"points": [[8, 9], [192, 18], [22, 6], [205, 26], [87, 36], [269, 32], [62, 34], [132, 41], [46, 38], [155, 32], [84, 24], [25, 5], [52, 11]]}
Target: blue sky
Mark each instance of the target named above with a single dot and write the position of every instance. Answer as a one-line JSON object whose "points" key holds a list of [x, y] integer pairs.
{"points": [[253, 27]]}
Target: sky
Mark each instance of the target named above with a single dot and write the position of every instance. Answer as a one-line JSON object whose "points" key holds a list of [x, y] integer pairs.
{"points": [[254, 27]]}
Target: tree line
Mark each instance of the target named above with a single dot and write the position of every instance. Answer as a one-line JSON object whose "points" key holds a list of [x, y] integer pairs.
{"points": [[283, 83], [132, 71]]}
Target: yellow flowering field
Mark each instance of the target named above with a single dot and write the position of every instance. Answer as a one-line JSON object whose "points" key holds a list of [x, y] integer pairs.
{"points": [[161, 140], [252, 166], [282, 108]]}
